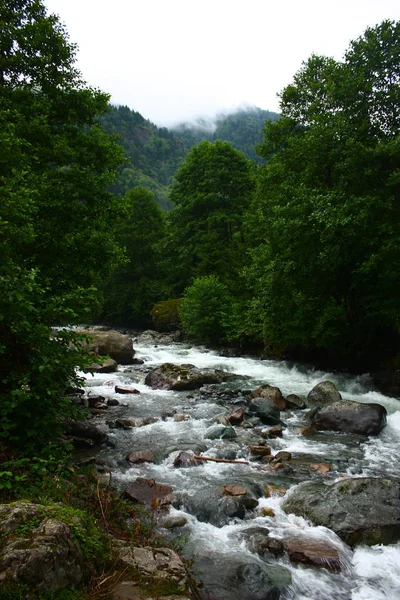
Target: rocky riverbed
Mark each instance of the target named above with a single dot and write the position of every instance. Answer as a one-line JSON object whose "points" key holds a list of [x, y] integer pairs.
{"points": [[282, 479]]}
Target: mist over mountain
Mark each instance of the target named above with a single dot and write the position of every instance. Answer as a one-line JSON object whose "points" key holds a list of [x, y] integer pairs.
{"points": [[153, 154]]}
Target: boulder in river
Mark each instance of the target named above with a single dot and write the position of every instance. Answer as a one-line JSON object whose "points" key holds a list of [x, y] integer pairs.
{"points": [[83, 430], [169, 376], [363, 510], [271, 393], [323, 393], [265, 410], [108, 366], [110, 343], [351, 417], [146, 491], [312, 551]]}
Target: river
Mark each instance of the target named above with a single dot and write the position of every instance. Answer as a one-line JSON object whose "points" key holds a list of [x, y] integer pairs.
{"points": [[217, 543]]}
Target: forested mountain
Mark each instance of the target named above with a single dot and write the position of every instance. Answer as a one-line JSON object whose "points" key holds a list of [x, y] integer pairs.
{"points": [[242, 129], [152, 153], [155, 153]]}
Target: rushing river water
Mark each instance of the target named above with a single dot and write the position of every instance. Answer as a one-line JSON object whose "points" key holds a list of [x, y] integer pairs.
{"points": [[366, 573]]}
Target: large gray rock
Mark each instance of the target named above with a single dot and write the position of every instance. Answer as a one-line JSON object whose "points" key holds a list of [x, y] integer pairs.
{"points": [[351, 417], [323, 393], [239, 577], [85, 430], [364, 510], [265, 410], [38, 549], [157, 564], [182, 377], [147, 491], [110, 343], [271, 393]]}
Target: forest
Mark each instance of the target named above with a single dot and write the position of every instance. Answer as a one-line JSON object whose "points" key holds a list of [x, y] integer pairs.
{"points": [[296, 254], [277, 234]]}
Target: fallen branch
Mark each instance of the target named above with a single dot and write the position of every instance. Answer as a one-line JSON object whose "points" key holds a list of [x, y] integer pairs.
{"points": [[222, 460]]}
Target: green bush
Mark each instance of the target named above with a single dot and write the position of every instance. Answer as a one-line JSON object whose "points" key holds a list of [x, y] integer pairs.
{"points": [[165, 315], [205, 309]]}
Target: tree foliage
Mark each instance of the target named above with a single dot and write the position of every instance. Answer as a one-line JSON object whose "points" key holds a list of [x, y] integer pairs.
{"points": [[205, 309], [55, 217], [133, 288], [211, 193], [326, 274]]}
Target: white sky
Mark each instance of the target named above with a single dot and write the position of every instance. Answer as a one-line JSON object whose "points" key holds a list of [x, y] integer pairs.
{"points": [[175, 60]]}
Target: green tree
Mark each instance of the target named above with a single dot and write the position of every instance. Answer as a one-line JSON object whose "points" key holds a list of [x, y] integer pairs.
{"points": [[211, 192], [135, 286], [325, 276], [55, 218], [205, 309]]}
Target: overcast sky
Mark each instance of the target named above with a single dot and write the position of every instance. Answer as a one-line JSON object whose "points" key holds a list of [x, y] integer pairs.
{"points": [[175, 60]]}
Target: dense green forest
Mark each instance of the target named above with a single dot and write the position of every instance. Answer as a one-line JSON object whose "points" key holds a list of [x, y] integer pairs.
{"points": [[153, 154], [305, 245], [297, 254]]}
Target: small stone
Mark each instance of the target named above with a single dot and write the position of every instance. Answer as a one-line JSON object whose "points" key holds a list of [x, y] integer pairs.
{"points": [[141, 456], [322, 468], [181, 417], [273, 490], [236, 416], [272, 432], [112, 402], [125, 389], [234, 490], [282, 456], [260, 450], [307, 431], [267, 512]]}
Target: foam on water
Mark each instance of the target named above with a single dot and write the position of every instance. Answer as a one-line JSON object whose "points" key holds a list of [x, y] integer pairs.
{"points": [[368, 574]]}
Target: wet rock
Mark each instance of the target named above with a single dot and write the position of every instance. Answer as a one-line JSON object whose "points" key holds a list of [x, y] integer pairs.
{"points": [[265, 411], [108, 366], [161, 564], [236, 416], [273, 490], [307, 431], [260, 542], [230, 577], [183, 377], [314, 552], [282, 456], [137, 361], [147, 491], [271, 393], [141, 456], [260, 450], [185, 459], [351, 417], [181, 417], [208, 506], [173, 522], [322, 468], [364, 510], [322, 394], [85, 430], [294, 401], [234, 490], [126, 423], [221, 420], [41, 552], [125, 389], [112, 402], [266, 511], [220, 432], [110, 343], [272, 432]]}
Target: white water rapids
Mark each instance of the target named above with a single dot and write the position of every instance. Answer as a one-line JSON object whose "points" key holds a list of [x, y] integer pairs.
{"points": [[368, 573]]}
